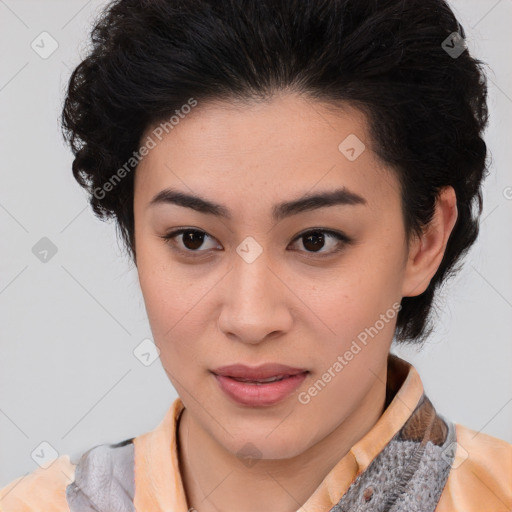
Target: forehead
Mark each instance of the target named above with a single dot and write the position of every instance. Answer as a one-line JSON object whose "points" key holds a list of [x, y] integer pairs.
{"points": [[245, 153]]}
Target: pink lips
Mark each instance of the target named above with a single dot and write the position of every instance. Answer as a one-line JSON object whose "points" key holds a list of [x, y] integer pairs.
{"points": [[245, 385]]}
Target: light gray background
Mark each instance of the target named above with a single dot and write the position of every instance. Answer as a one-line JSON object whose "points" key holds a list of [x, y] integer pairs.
{"points": [[68, 375]]}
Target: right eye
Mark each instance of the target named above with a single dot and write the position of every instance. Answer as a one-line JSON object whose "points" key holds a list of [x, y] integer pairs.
{"points": [[191, 239]]}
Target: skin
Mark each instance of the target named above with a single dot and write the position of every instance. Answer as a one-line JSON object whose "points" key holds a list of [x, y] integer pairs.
{"points": [[290, 305]]}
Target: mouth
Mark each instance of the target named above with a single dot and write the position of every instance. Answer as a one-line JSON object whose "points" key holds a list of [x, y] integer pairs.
{"points": [[268, 372], [254, 387], [260, 381]]}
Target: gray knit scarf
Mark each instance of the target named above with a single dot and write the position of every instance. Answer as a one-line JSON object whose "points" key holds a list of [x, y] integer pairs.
{"points": [[408, 475]]}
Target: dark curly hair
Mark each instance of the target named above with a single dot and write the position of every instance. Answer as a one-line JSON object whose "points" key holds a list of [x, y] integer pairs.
{"points": [[426, 105]]}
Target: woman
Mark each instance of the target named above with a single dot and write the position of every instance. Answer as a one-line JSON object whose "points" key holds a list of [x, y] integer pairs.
{"points": [[294, 181]]}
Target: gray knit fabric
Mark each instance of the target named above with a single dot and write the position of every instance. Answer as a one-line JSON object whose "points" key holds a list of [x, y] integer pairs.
{"points": [[104, 480], [405, 477], [408, 475]]}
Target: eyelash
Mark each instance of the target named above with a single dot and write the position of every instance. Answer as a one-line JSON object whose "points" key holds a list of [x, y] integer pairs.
{"points": [[343, 240]]}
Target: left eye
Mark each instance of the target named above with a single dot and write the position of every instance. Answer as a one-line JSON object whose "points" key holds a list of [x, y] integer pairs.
{"points": [[314, 240]]}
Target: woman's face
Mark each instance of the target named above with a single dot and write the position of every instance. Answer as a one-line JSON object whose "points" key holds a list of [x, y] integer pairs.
{"points": [[256, 286]]}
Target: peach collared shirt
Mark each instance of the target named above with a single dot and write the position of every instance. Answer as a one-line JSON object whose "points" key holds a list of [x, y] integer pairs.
{"points": [[480, 479]]}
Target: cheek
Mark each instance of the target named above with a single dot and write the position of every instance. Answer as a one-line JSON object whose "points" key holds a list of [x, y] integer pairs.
{"points": [[353, 296], [161, 298], [172, 305], [160, 283], [377, 276], [358, 306], [169, 322]]}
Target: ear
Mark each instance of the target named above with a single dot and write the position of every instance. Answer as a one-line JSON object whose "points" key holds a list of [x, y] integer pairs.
{"points": [[426, 252]]}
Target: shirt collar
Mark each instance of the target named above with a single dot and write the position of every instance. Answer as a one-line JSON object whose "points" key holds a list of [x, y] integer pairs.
{"points": [[158, 483]]}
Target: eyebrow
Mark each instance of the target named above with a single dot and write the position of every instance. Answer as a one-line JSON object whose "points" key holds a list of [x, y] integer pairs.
{"points": [[341, 196]]}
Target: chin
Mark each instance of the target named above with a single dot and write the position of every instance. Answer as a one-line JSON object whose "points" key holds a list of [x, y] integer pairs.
{"points": [[256, 447]]}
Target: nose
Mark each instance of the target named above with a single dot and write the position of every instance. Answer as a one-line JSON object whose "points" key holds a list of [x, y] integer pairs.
{"points": [[256, 302]]}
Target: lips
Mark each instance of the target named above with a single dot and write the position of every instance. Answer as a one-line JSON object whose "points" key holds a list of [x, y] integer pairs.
{"points": [[264, 373], [261, 386]]}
